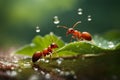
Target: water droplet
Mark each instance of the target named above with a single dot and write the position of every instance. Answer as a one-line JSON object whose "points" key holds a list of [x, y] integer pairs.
{"points": [[80, 11], [74, 60], [37, 29], [47, 76], [58, 70], [19, 70], [114, 77], [34, 77], [42, 59], [59, 61], [43, 73], [92, 46], [47, 61], [27, 65], [36, 69], [56, 20], [32, 45], [110, 44], [89, 18], [67, 73], [75, 77], [99, 44], [61, 72], [11, 73]]}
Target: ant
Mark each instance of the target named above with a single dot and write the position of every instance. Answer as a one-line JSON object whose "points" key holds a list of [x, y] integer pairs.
{"points": [[77, 34], [37, 55]]}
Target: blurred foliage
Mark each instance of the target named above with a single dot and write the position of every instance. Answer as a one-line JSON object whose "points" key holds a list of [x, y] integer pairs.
{"points": [[18, 19]]}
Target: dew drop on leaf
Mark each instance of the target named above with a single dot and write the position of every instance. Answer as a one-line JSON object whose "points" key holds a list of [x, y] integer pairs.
{"points": [[47, 76], [110, 44], [11, 73], [59, 61], [43, 73], [56, 20], [47, 61], [36, 69], [19, 70]]}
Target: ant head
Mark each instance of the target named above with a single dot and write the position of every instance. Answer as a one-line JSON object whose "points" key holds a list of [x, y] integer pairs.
{"points": [[54, 45], [70, 31]]}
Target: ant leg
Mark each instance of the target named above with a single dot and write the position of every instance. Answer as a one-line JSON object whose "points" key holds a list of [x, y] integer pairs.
{"points": [[73, 37], [50, 57]]}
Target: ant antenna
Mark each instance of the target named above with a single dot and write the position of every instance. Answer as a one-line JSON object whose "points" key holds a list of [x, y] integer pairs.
{"points": [[63, 27], [76, 24]]}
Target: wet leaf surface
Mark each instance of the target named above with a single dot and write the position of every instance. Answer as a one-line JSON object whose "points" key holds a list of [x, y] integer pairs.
{"points": [[80, 60]]}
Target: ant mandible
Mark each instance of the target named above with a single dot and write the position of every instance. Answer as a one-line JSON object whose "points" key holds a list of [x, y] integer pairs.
{"points": [[77, 34]]}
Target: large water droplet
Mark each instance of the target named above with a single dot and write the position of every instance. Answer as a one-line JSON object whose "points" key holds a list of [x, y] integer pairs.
{"points": [[89, 18], [37, 29], [56, 20], [80, 11]]}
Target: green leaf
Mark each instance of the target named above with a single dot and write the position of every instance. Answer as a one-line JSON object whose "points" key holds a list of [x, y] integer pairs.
{"points": [[39, 43], [97, 46]]}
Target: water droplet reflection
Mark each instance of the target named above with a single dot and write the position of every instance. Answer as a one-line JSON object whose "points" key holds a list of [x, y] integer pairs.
{"points": [[56, 20]]}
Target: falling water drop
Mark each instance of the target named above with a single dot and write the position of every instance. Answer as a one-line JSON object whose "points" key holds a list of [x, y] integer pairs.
{"points": [[89, 18], [56, 20], [37, 29], [80, 11]]}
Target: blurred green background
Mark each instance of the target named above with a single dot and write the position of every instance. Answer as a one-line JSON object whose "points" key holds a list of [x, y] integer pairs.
{"points": [[19, 18]]}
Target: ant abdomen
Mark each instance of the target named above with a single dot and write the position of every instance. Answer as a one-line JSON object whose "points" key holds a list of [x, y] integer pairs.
{"points": [[86, 36], [37, 55]]}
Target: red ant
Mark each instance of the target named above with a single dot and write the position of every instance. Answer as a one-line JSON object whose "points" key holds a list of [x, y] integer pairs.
{"points": [[77, 34], [37, 55]]}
